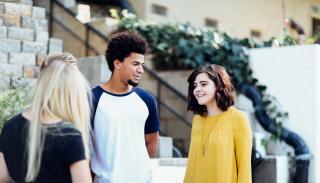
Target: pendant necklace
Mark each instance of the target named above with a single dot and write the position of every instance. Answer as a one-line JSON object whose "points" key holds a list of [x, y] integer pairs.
{"points": [[204, 141]]}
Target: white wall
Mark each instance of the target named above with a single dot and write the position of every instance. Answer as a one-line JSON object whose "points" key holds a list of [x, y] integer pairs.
{"points": [[235, 17], [292, 75]]}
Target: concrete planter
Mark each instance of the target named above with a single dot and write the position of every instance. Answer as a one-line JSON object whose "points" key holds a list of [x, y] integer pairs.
{"points": [[292, 75]]}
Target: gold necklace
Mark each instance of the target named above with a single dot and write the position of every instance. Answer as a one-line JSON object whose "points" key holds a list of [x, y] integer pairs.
{"points": [[205, 142]]}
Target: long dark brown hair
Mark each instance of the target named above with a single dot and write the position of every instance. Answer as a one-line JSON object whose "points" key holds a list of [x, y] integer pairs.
{"points": [[224, 95]]}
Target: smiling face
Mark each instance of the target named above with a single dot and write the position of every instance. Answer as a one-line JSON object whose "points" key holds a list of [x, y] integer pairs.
{"points": [[209, 86], [204, 89], [131, 69]]}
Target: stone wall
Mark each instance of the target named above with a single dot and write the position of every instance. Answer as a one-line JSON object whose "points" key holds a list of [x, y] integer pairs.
{"points": [[24, 40]]}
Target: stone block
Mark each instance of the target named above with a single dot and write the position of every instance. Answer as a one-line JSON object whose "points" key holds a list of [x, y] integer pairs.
{"points": [[3, 32], [272, 169], [23, 82], [3, 58], [38, 13], [30, 2], [55, 45], [5, 82], [1, 7], [10, 20], [40, 58], [172, 162], [20, 33], [94, 69], [68, 3], [34, 47], [165, 147], [10, 45], [11, 69], [31, 71], [17, 9], [42, 36], [22, 58], [27, 22], [36, 24], [41, 24]]}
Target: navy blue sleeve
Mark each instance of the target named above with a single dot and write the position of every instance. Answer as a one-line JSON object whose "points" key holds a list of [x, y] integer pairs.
{"points": [[96, 94], [153, 123]]}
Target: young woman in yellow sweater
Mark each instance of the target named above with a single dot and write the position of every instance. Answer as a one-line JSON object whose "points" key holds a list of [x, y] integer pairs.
{"points": [[221, 138]]}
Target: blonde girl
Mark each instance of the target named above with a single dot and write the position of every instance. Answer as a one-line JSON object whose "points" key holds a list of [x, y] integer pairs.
{"points": [[48, 141]]}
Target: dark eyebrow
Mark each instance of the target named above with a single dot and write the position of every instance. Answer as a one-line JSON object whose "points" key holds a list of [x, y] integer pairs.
{"points": [[202, 82], [137, 62]]}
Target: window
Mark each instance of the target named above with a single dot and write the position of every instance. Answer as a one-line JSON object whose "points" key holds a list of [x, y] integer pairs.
{"points": [[159, 9], [315, 26], [209, 22], [255, 33]]}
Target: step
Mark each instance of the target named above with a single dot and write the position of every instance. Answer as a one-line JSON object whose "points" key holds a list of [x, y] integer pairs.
{"points": [[168, 169]]}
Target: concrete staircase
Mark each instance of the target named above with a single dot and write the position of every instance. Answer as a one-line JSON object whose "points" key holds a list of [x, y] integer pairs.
{"points": [[82, 42]]}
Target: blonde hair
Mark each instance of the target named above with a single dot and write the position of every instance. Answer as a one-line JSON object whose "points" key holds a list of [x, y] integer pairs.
{"points": [[61, 92]]}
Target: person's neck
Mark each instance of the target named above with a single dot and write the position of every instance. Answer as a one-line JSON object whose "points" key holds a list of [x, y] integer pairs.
{"points": [[213, 109], [116, 87]]}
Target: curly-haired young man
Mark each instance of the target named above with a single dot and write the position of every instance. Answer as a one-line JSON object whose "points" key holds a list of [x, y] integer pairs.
{"points": [[126, 121]]}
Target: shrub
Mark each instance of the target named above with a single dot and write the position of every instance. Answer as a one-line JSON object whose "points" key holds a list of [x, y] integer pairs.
{"points": [[12, 100]]}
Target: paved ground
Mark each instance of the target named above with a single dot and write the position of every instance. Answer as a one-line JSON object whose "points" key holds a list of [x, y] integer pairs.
{"points": [[168, 171]]}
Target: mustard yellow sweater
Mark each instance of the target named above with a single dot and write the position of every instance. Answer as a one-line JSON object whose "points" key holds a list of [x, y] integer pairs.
{"points": [[220, 149]]}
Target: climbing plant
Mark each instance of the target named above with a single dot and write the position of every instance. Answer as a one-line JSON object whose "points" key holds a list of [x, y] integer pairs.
{"points": [[12, 99], [182, 46]]}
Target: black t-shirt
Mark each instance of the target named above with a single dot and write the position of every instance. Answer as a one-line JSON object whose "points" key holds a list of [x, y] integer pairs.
{"points": [[63, 146]]}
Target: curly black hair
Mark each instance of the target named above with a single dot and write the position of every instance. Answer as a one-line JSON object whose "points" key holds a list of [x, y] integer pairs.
{"points": [[122, 44]]}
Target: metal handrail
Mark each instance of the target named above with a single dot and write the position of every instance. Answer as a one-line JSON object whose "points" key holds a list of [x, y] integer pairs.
{"points": [[73, 14], [162, 81], [87, 26], [74, 35], [180, 117]]}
